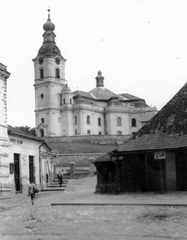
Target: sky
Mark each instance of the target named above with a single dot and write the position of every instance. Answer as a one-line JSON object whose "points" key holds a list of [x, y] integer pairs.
{"points": [[140, 46]]}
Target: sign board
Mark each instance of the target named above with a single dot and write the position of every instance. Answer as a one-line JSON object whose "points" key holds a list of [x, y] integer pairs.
{"points": [[159, 155], [11, 167]]}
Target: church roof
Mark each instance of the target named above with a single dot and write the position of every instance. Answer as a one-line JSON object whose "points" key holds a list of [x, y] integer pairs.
{"points": [[166, 130], [82, 93], [130, 97], [102, 93]]}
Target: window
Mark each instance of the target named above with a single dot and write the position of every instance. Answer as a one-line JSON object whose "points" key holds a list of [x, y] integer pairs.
{"points": [[100, 133], [42, 120], [57, 73], [133, 122], [64, 100], [88, 119], [99, 121], [119, 132], [57, 60], [75, 120], [41, 73], [75, 132], [118, 121], [88, 132], [41, 133], [42, 96], [70, 101], [40, 60]]}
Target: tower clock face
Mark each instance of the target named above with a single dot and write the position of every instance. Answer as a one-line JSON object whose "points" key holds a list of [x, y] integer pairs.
{"points": [[41, 60], [57, 60]]}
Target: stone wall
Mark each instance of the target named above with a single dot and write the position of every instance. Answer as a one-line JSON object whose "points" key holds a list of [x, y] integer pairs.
{"points": [[94, 139]]}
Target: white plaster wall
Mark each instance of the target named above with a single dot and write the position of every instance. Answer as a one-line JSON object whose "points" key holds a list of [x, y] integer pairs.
{"points": [[25, 148]]}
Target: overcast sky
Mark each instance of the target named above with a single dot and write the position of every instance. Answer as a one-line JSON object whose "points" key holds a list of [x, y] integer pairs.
{"points": [[139, 45]]}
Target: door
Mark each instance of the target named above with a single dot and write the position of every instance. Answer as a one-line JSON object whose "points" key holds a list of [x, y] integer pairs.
{"points": [[17, 172], [31, 169], [156, 173]]}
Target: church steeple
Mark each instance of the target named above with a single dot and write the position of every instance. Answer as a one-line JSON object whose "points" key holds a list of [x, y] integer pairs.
{"points": [[49, 47], [49, 27]]}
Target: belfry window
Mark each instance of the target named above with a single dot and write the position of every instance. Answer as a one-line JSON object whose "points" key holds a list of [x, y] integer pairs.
{"points": [[133, 122], [88, 119], [118, 121], [57, 73], [75, 120], [41, 73], [99, 121]]}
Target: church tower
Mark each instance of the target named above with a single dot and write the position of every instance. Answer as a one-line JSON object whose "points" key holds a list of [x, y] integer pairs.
{"points": [[49, 67]]}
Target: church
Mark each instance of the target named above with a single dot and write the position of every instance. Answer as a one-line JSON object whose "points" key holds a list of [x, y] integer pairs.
{"points": [[62, 112]]}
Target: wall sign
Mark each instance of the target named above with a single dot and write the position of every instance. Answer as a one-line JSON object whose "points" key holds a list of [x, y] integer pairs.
{"points": [[159, 155], [16, 141]]}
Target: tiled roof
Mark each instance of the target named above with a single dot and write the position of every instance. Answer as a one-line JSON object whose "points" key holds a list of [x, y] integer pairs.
{"points": [[167, 129]]}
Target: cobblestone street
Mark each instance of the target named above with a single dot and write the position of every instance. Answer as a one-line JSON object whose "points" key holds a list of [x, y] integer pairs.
{"points": [[21, 220]]}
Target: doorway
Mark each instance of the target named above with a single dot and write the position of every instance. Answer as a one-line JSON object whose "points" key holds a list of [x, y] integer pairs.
{"points": [[156, 173], [31, 169], [17, 172]]}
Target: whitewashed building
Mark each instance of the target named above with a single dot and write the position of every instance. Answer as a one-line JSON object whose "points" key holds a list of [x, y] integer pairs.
{"points": [[29, 160], [61, 112], [4, 141]]}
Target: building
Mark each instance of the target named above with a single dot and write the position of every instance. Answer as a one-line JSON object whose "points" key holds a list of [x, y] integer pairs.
{"points": [[154, 159], [61, 112], [4, 141], [29, 161]]}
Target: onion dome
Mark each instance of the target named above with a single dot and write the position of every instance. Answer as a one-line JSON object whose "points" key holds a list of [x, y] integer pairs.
{"points": [[49, 26], [66, 90]]}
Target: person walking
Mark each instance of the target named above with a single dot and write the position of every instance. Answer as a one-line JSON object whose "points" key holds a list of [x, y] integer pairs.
{"points": [[60, 178], [31, 190]]}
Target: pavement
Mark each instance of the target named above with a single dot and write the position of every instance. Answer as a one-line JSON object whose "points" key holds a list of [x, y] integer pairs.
{"points": [[82, 192], [128, 216]]}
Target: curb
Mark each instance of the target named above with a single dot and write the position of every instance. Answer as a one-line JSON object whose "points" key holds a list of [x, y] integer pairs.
{"points": [[122, 204]]}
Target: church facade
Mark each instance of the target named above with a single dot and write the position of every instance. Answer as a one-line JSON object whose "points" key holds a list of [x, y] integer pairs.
{"points": [[61, 112]]}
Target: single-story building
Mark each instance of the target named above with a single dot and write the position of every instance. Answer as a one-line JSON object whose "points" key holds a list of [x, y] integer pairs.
{"points": [[29, 160], [154, 159]]}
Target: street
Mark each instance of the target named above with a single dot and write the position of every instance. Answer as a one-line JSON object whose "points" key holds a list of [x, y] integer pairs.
{"points": [[21, 220]]}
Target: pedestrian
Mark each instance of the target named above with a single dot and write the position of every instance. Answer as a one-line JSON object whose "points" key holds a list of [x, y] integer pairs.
{"points": [[60, 178], [32, 190]]}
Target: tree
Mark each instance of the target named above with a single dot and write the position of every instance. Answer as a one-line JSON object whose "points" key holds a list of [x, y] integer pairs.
{"points": [[28, 129]]}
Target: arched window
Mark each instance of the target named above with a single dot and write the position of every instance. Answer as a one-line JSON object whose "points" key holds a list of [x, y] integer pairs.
{"points": [[99, 121], [41, 133], [57, 73], [70, 101], [75, 120], [41, 73], [118, 121], [133, 122], [88, 119]]}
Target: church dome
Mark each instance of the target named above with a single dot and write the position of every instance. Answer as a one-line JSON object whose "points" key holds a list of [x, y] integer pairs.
{"points": [[49, 26], [66, 89]]}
